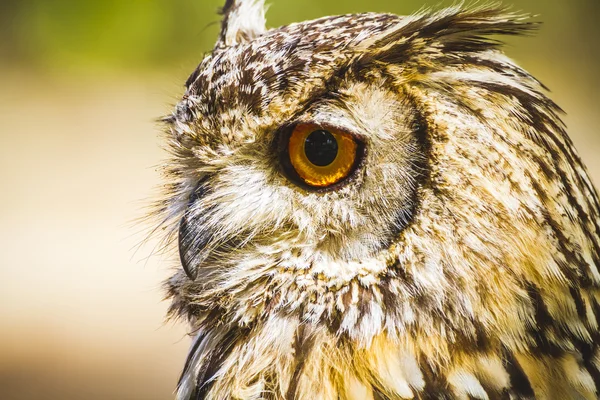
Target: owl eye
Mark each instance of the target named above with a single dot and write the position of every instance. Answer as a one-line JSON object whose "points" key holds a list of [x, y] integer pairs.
{"points": [[320, 157]]}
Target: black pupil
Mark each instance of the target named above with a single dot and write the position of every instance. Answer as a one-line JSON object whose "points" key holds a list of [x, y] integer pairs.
{"points": [[321, 148]]}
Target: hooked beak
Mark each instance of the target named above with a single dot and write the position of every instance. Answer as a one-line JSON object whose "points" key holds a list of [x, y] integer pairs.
{"points": [[192, 240]]}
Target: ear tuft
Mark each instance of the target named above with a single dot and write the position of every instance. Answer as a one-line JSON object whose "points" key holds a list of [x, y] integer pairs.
{"points": [[243, 21]]}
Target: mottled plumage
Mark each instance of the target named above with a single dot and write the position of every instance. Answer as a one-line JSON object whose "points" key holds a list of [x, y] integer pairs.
{"points": [[460, 260]]}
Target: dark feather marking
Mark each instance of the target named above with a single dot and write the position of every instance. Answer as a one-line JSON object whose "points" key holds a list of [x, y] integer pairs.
{"points": [[596, 312], [397, 54], [579, 306], [229, 7], [544, 323], [587, 353], [377, 395], [214, 363], [190, 356], [390, 303], [302, 347], [365, 296], [192, 78], [436, 386], [473, 44], [519, 382], [495, 394]]}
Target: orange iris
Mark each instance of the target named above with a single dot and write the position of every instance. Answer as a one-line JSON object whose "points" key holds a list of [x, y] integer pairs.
{"points": [[321, 156]]}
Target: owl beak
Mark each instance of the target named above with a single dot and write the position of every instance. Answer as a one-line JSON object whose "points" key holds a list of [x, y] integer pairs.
{"points": [[192, 240], [186, 253]]}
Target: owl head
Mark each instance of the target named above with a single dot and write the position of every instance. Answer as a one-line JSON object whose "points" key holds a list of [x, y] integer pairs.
{"points": [[374, 174]]}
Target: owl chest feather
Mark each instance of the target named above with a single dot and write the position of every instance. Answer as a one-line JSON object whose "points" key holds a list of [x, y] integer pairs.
{"points": [[307, 341]]}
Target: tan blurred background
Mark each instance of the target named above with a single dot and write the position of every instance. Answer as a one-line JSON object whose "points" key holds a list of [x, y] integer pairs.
{"points": [[81, 82]]}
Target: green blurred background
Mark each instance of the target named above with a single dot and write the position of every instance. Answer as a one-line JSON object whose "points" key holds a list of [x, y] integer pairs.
{"points": [[81, 82]]}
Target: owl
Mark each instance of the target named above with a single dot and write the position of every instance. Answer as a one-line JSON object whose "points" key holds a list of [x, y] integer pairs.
{"points": [[375, 207]]}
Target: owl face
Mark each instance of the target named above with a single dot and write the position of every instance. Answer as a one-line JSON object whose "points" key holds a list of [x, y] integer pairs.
{"points": [[435, 135], [380, 196], [253, 180]]}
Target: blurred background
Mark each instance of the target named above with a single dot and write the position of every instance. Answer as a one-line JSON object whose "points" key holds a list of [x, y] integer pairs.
{"points": [[81, 82]]}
